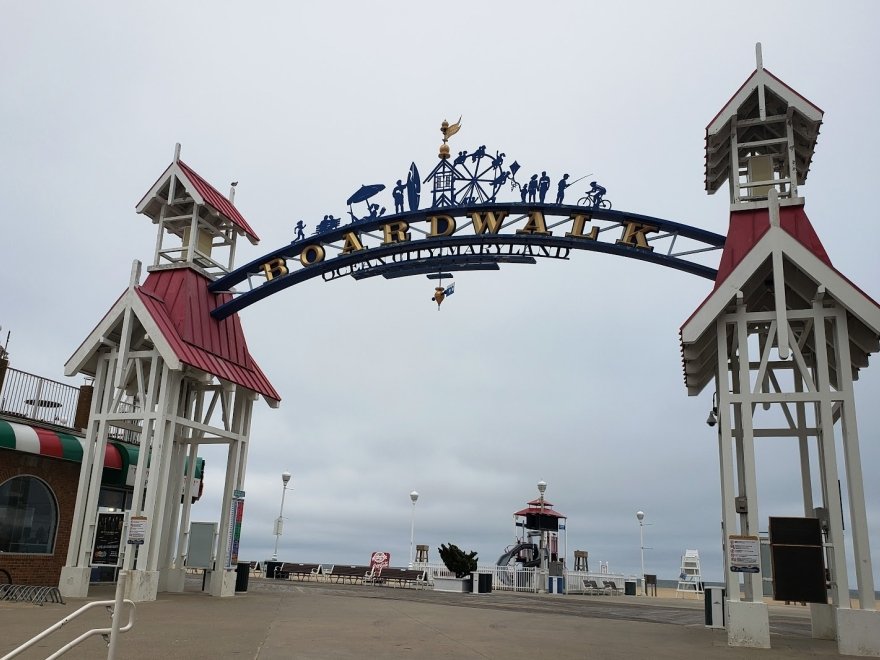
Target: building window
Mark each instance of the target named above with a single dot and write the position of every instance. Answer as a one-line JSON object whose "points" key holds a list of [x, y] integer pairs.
{"points": [[28, 516]]}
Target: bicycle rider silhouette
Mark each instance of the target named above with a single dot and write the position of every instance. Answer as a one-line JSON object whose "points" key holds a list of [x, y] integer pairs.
{"points": [[596, 192]]}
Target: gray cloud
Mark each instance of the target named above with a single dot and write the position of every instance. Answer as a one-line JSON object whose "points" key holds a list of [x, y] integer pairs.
{"points": [[568, 372]]}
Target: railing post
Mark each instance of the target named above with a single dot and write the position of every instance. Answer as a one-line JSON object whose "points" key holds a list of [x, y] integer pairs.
{"points": [[37, 397], [117, 612], [4, 363]]}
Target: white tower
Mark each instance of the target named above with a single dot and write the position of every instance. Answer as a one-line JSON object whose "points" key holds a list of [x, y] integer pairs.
{"points": [[782, 338], [173, 377]]}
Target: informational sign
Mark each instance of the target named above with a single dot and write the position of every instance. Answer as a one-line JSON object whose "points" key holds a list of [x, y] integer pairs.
{"points": [[378, 561], [108, 537], [744, 553], [137, 530]]}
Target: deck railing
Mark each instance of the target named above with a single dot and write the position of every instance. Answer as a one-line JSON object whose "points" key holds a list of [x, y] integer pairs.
{"points": [[41, 399], [513, 578]]}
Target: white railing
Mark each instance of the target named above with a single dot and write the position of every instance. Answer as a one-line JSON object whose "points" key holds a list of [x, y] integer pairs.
{"points": [[111, 634], [511, 578], [504, 578]]}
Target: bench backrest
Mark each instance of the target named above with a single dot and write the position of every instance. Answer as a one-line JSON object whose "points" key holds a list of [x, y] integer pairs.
{"points": [[287, 567], [403, 573], [349, 570]]}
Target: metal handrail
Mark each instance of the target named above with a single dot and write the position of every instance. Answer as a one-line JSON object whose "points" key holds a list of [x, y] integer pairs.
{"points": [[105, 632]]}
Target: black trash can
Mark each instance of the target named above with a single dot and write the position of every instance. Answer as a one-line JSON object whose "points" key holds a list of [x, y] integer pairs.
{"points": [[272, 568], [242, 575], [629, 588], [484, 583]]}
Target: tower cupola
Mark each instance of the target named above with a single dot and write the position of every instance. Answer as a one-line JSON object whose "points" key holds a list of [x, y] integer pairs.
{"points": [[763, 138], [197, 226]]}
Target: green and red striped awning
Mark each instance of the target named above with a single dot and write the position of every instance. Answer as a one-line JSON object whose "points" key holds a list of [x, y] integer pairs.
{"points": [[34, 440]]}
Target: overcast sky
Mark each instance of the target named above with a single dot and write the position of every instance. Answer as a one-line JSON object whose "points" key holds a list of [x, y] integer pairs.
{"points": [[564, 371]]}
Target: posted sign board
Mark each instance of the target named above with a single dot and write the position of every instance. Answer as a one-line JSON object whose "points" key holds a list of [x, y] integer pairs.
{"points": [[378, 561], [137, 530], [108, 537], [744, 553]]}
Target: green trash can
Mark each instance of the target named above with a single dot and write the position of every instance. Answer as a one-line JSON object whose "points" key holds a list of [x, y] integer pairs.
{"points": [[629, 587]]}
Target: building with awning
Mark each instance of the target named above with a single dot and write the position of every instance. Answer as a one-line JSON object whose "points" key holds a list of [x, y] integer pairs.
{"points": [[40, 460], [120, 458]]}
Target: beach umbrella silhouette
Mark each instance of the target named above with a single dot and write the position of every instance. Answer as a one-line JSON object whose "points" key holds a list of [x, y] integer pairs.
{"points": [[364, 193]]}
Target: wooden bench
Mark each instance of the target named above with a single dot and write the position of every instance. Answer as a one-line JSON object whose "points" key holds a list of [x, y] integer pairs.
{"points": [[349, 574], [400, 577], [300, 571]]}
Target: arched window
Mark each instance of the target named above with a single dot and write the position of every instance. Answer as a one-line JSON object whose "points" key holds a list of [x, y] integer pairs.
{"points": [[28, 516]]}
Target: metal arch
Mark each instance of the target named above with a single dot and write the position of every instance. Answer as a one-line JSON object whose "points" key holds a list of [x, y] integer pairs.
{"points": [[534, 246]]}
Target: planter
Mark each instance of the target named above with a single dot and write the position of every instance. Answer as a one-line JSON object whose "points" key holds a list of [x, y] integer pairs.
{"points": [[453, 584]]}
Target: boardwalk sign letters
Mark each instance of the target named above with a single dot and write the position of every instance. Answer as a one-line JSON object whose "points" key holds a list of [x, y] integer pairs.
{"points": [[466, 227]]}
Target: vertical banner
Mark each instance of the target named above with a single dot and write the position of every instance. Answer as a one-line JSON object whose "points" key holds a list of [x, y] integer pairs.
{"points": [[236, 514]]}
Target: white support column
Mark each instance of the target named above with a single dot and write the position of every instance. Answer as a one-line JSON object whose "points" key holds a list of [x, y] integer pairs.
{"points": [[748, 622], [792, 153], [725, 454], [223, 581], [161, 470], [76, 573], [852, 459], [803, 445], [754, 585], [186, 510], [828, 455], [167, 546], [143, 582], [734, 163], [158, 374]]}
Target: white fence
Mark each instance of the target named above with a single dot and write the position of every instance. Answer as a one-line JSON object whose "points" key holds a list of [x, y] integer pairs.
{"points": [[510, 578]]}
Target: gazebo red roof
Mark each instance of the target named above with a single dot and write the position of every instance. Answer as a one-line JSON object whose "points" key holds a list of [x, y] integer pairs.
{"points": [[537, 511], [535, 508], [179, 302], [218, 201]]}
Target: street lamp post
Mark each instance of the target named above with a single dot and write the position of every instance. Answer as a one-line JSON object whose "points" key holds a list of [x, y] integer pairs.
{"points": [[414, 496], [279, 522], [542, 587], [641, 517]]}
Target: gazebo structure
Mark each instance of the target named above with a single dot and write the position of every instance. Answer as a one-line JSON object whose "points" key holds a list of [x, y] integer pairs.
{"points": [[781, 338], [540, 522], [174, 377]]}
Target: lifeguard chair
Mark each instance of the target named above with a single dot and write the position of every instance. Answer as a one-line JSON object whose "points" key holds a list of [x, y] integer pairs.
{"points": [[690, 579]]}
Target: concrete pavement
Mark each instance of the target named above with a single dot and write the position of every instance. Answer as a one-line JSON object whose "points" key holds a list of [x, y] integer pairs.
{"points": [[280, 619]]}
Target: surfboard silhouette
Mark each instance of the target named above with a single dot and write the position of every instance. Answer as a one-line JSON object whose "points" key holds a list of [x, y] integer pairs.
{"points": [[413, 187]]}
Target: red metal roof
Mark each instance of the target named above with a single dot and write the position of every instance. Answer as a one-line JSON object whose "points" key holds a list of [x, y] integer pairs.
{"points": [[536, 510], [747, 228], [180, 304], [214, 199], [537, 502]]}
